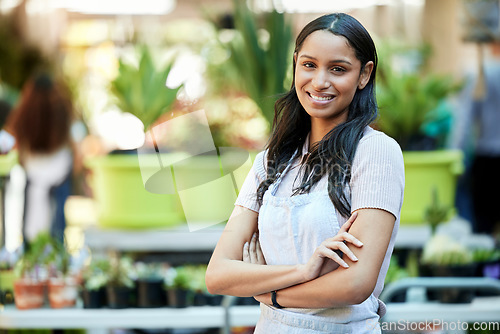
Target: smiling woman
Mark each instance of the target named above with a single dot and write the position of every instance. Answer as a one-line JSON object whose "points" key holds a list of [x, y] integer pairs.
{"points": [[327, 184], [327, 76]]}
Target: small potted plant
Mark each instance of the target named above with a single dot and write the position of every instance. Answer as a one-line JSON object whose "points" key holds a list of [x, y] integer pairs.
{"points": [[178, 286], [31, 273], [445, 257], [94, 283], [62, 283], [150, 287], [436, 213], [488, 261], [120, 286]]}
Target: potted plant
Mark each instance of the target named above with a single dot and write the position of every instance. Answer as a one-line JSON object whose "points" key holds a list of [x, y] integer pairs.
{"points": [[31, 273], [120, 283], [436, 213], [178, 286], [414, 112], [150, 289], [118, 187], [62, 284], [488, 261], [94, 283], [443, 256]]}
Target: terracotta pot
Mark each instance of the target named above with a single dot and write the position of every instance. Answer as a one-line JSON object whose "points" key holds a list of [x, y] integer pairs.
{"points": [[28, 294], [62, 293]]}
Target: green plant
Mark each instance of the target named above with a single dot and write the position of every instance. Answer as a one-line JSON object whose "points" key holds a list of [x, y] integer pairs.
{"points": [[436, 212], [37, 254], [486, 255], [442, 250], [150, 271], [395, 272], [121, 272], [95, 274], [410, 100], [261, 56], [198, 278], [179, 278], [18, 58], [141, 91]]}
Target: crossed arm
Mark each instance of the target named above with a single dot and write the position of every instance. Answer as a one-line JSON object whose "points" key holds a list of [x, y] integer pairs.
{"points": [[311, 285]]}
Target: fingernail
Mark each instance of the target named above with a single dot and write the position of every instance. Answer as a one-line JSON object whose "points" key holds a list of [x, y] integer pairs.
{"points": [[345, 265], [246, 244], [360, 243], [354, 258], [254, 235]]}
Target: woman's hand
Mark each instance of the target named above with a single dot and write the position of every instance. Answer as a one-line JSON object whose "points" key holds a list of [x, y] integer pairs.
{"points": [[319, 263], [252, 253]]}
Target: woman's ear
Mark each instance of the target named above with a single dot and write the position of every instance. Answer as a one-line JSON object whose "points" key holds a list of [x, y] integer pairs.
{"points": [[365, 74]]}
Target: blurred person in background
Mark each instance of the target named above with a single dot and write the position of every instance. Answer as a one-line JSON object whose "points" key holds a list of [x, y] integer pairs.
{"points": [[476, 132], [41, 124]]}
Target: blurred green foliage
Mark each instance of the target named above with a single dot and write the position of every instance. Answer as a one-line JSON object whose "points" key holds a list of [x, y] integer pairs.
{"points": [[409, 98], [18, 59], [141, 90], [261, 52]]}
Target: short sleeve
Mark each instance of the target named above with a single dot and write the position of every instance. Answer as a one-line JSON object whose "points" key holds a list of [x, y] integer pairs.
{"points": [[377, 175], [247, 196]]}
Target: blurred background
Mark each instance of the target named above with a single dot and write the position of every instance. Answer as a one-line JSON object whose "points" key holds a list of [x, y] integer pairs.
{"points": [[93, 93]]}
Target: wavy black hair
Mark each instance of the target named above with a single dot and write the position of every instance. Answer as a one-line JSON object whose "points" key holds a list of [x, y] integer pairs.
{"points": [[334, 154]]}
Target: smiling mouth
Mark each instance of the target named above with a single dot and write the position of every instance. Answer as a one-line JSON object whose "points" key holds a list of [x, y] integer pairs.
{"points": [[321, 98]]}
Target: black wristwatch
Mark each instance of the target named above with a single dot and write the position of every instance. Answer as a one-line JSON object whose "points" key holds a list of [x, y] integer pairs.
{"points": [[273, 299]]}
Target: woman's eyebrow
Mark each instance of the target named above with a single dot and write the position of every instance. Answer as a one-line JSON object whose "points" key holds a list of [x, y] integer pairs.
{"points": [[330, 62]]}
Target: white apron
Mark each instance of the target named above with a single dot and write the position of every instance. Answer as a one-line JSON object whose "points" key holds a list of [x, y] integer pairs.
{"points": [[290, 229]]}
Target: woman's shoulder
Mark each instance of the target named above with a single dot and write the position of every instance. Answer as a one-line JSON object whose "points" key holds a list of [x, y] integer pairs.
{"points": [[376, 146], [373, 138], [260, 163]]}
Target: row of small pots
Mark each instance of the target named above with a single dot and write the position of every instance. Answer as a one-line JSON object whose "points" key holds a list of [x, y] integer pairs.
{"points": [[146, 295], [30, 294]]}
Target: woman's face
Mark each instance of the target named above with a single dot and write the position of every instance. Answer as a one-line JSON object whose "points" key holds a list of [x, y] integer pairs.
{"points": [[327, 75]]}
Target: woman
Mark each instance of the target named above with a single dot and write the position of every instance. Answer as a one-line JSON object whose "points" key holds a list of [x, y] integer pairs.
{"points": [[289, 242], [41, 124]]}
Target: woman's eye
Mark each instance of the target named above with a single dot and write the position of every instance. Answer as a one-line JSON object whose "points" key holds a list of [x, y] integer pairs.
{"points": [[338, 69], [308, 65]]}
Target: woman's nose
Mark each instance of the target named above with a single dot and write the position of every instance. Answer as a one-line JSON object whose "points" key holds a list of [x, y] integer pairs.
{"points": [[320, 81]]}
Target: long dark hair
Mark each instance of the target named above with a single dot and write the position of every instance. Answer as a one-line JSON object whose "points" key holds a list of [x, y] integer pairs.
{"points": [[334, 154], [41, 121]]}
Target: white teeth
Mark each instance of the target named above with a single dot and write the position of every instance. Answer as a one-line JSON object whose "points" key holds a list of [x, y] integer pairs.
{"points": [[321, 98]]}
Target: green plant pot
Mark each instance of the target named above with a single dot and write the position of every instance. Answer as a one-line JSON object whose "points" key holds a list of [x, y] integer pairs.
{"points": [[208, 185], [7, 161], [424, 171], [123, 201]]}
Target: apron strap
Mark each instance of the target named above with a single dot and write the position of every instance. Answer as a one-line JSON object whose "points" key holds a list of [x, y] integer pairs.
{"points": [[277, 182]]}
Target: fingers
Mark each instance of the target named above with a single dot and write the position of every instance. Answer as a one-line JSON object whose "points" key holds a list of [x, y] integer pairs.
{"points": [[260, 256], [337, 245], [349, 238], [252, 253], [253, 249], [327, 252], [246, 254], [349, 222]]}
